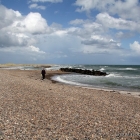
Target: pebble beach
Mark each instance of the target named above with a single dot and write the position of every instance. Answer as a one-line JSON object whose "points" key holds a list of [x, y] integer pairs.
{"points": [[35, 109]]}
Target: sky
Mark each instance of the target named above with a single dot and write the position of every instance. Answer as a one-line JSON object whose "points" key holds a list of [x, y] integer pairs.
{"points": [[70, 32]]}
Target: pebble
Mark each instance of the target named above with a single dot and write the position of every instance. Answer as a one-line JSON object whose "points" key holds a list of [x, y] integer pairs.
{"points": [[30, 109]]}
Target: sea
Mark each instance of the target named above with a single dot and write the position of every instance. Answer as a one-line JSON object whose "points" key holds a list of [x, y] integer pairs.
{"points": [[119, 77]]}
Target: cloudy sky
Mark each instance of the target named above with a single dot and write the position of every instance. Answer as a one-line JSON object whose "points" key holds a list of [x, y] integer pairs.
{"points": [[70, 31]]}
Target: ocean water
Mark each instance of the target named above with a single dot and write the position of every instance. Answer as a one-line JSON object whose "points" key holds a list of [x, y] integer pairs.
{"points": [[120, 77]]}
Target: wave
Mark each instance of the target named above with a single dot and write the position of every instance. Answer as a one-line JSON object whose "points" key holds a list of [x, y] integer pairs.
{"points": [[113, 75], [130, 69], [111, 81], [60, 79], [102, 69], [122, 76], [127, 69], [57, 67]]}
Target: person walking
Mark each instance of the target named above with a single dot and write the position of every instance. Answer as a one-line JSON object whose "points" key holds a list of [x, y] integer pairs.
{"points": [[43, 72]]}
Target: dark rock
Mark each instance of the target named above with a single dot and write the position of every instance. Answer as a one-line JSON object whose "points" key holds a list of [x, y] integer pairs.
{"points": [[81, 71]]}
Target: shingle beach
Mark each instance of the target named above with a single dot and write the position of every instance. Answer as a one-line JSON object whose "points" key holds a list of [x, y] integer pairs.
{"points": [[35, 109]]}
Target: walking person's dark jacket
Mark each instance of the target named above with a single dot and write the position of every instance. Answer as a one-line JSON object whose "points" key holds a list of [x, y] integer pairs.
{"points": [[43, 72]]}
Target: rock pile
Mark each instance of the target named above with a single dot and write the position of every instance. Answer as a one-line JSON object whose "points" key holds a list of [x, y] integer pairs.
{"points": [[87, 72]]}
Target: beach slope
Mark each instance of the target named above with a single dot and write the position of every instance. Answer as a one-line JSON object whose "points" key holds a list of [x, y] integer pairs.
{"points": [[35, 109]]}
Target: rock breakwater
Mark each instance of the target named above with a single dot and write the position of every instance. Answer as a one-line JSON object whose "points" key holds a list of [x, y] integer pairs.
{"points": [[87, 72]]}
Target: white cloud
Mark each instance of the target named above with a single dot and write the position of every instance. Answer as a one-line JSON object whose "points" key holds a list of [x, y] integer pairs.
{"points": [[135, 47], [22, 54], [93, 28], [16, 30], [23, 50], [77, 22], [86, 5], [87, 29], [36, 6], [33, 23], [94, 38], [60, 33], [52, 1], [124, 35], [117, 23], [128, 9], [30, 36], [13, 21], [11, 39], [101, 42], [17, 34], [35, 49], [7, 16]]}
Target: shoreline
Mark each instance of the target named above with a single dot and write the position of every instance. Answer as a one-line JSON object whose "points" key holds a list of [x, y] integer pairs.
{"points": [[31, 108], [58, 72], [126, 92], [52, 73]]}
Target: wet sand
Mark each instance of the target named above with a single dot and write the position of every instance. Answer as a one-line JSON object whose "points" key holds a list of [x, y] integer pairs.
{"points": [[35, 109]]}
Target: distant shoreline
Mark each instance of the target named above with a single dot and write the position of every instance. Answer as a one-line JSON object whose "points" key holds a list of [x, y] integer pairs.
{"points": [[50, 74], [7, 65]]}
